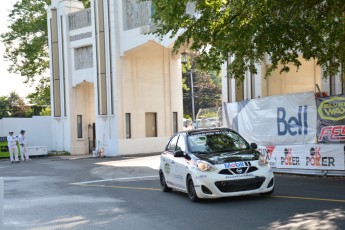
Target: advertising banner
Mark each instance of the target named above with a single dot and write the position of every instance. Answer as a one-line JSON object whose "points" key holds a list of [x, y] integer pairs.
{"points": [[315, 156], [331, 119], [275, 120]]}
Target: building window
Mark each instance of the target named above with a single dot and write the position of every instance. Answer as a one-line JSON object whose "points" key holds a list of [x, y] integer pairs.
{"points": [[128, 126], [151, 124], [175, 124], [80, 126], [83, 57]]}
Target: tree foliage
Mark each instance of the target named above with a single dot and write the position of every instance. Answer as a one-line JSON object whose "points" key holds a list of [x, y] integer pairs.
{"points": [[4, 107], [207, 94], [14, 106], [206, 85], [42, 94], [26, 42], [248, 30]]}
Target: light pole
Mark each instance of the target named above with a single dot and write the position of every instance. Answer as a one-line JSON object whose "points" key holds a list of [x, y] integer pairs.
{"points": [[184, 60]]}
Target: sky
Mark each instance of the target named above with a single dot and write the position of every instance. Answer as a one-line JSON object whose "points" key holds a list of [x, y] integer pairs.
{"points": [[10, 82]]}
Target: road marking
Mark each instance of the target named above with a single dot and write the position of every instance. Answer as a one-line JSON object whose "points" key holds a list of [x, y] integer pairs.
{"points": [[115, 179], [309, 198], [151, 162], [91, 184], [122, 187]]}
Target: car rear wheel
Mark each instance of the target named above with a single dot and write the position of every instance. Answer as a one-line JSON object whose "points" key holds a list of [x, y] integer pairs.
{"points": [[164, 186], [191, 190]]}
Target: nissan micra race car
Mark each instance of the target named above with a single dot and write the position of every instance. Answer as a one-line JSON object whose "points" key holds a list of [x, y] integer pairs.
{"points": [[213, 163]]}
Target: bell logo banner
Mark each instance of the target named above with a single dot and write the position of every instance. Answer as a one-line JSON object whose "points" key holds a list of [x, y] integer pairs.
{"points": [[275, 120]]}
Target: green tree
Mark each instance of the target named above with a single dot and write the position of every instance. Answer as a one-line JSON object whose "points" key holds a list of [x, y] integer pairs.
{"points": [[17, 107], [4, 107], [42, 94], [206, 85], [248, 30], [207, 94], [40, 99], [26, 42], [45, 112]]}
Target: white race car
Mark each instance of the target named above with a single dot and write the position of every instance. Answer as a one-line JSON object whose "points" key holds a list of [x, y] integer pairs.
{"points": [[213, 163]]}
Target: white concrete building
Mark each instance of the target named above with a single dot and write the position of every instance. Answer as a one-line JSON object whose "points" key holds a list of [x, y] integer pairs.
{"points": [[113, 87], [309, 77], [116, 88]]}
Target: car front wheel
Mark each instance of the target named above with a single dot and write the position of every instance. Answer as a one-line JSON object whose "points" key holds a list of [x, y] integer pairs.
{"points": [[191, 190], [164, 185]]}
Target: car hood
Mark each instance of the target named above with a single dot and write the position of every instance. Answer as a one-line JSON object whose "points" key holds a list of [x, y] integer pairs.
{"points": [[233, 156]]}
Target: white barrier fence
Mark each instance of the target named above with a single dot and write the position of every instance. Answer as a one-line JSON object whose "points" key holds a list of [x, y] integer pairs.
{"points": [[38, 129], [311, 159]]}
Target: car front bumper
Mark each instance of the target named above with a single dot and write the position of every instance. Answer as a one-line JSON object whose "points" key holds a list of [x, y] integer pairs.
{"points": [[214, 185]]}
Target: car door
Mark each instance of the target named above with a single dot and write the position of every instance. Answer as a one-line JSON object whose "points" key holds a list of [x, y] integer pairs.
{"points": [[168, 161], [180, 164]]}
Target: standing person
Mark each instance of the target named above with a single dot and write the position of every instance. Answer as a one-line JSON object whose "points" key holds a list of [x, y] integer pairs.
{"points": [[22, 143], [12, 147]]}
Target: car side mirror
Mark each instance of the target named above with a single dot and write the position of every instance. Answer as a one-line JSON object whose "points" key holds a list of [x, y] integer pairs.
{"points": [[179, 153], [253, 146]]}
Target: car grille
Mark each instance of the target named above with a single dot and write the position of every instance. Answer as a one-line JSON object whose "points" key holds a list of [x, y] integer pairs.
{"points": [[240, 185], [234, 171]]}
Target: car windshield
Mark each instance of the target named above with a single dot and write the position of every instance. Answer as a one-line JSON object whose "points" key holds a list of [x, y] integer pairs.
{"points": [[215, 142]]}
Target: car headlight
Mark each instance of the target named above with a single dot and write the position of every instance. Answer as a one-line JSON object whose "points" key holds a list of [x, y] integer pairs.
{"points": [[263, 161], [205, 166]]}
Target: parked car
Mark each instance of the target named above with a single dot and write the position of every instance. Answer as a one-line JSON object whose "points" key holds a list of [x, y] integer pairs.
{"points": [[213, 121], [205, 123], [213, 163]]}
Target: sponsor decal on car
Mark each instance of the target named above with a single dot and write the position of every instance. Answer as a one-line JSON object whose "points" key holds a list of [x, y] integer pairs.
{"points": [[167, 168], [201, 176], [240, 175], [234, 165], [178, 177]]}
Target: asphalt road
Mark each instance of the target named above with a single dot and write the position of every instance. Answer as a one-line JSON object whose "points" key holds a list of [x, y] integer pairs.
{"points": [[124, 194]]}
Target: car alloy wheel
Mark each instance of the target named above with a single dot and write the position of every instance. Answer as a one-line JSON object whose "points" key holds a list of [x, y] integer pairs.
{"points": [[164, 185], [191, 190]]}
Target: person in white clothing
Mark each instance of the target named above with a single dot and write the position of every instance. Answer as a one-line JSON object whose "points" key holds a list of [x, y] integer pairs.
{"points": [[12, 147], [22, 142]]}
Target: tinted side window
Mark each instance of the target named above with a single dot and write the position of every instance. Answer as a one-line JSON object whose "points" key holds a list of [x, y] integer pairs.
{"points": [[172, 144]]}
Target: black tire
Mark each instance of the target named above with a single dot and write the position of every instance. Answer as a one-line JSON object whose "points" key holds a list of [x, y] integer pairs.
{"points": [[164, 186], [191, 190], [268, 193]]}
